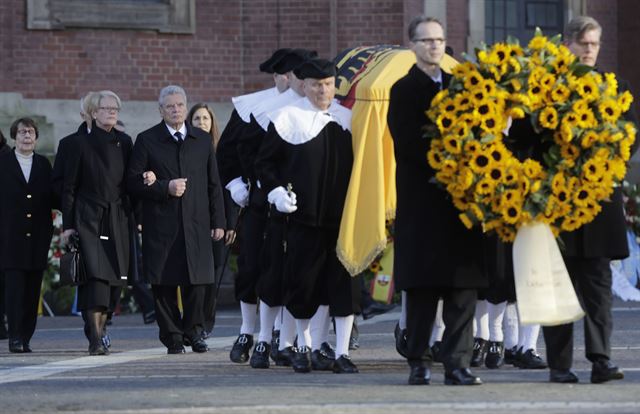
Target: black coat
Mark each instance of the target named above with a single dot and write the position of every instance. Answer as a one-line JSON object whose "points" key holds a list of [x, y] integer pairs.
{"points": [[5, 149], [64, 148], [227, 153], [606, 235], [26, 225], [95, 204], [432, 246], [200, 209]]}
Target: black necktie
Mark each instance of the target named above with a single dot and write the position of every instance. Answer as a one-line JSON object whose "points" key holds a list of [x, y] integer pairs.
{"points": [[439, 86], [178, 136]]}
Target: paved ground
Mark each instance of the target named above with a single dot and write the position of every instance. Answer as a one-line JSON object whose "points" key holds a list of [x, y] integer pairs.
{"points": [[138, 377]]}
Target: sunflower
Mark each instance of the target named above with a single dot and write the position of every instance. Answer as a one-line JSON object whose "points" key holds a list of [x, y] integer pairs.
{"points": [[506, 234], [561, 63], [587, 88], [516, 112], [445, 122], [588, 138], [612, 84], [449, 167], [569, 151], [515, 84], [532, 168], [485, 186], [583, 196], [462, 102], [452, 143], [499, 53], [586, 119], [435, 158], [548, 117], [461, 70], [569, 224], [464, 218], [472, 79], [480, 162], [609, 110], [625, 149], [592, 170], [448, 105], [511, 212], [560, 93], [491, 124], [625, 100]]}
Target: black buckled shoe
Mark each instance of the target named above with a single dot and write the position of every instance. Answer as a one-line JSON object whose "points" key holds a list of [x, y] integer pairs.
{"points": [[603, 370], [176, 349], [344, 365], [260, 356], [301, 360], [419, 376], [241, 347], [275, 344], [495, 355], [320, 361], [328, 350], [461, 376], [199, 346], [285, 356], [479, 352], [16, 346], [562, 376], [530, 359], [401, 340]]}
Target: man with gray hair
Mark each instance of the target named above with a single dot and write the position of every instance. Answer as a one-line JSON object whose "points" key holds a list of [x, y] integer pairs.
{"points": [[182, 210]]}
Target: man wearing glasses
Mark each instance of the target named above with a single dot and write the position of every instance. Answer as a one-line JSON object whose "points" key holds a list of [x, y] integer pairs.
{"points": [[427, 228]]}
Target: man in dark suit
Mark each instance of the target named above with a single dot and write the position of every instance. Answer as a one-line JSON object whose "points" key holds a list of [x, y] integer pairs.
{"points": [[589, 251], [435, 255], [181, 212]]}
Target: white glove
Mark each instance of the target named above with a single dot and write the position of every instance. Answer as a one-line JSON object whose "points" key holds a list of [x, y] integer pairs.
{"points": [[284, 201], [239, 191]]}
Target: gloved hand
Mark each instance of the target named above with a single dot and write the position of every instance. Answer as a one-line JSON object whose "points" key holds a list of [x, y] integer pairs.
{"points": [[239, 191], [284, 201]]}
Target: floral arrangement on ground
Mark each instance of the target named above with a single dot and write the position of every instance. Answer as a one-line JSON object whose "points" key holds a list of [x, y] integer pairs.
{"points": [[581, 141]]}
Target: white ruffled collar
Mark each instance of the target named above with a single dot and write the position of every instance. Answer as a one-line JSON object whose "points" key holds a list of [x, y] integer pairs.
{"points": [[262, 110], [300, 121], [246, 104]]}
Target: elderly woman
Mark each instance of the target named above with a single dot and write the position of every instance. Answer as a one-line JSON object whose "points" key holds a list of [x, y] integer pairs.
{"points": [[26, 229], [201, 116], [3, 329], [95, 206]]}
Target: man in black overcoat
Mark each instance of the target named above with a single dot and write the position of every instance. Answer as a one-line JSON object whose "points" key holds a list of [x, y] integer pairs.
{"points": [[435, 255], [589, 251], [181, 212]]}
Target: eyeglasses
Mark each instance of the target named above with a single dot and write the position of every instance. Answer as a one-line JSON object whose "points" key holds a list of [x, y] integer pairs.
{"points": [[438, 41], [585, 45], [110, 108], [29, 131], [174, 106]]}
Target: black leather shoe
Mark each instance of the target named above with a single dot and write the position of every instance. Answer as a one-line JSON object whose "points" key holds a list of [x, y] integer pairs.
{"points": [[419, 376], [97, 348], [495, 355], [260, 355], [241, 347], [401, 340], [435, 351], [328, 350], [461, 376], [529, 359], [510, 355], [562, 376], [301, 360], [176, 349], [275, 344], [603, 370], [320, 361], [16, 346], [479, 352], [344, 365], [285, 356], [26, 347], [199, 346], [376, 308]]}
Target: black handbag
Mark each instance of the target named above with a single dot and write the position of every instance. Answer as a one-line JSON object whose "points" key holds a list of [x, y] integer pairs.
{"points": [[72, 270]]}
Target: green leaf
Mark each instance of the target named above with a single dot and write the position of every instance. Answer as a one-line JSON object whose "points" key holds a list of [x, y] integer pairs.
{"points": [[580, 69], [556, 39], [538, 32], [513, 40], [487, 138]]}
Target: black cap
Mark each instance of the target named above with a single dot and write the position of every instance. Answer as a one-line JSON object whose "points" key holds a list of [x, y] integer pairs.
{"points": [[293, 59], [267, 65], [316, 69]]}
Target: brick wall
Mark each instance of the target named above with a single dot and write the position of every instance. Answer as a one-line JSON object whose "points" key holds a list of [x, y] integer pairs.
{"points": [[219, 61], [629, 59], [457, 26], [606, 13]]}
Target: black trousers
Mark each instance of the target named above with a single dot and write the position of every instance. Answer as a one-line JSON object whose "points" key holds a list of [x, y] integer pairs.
{"points": [[457, 313], [314, 275], [592, 281], [2, 312], [22, 294], [249, 260], [173, 326], [271, 281]]}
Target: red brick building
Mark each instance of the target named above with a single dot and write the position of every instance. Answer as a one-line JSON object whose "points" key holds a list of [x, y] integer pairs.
{"points": [[52, 51]]}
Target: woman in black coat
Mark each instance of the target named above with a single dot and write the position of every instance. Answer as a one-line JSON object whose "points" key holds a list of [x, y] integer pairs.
{"points": [[26, 229], [3, 329], [95, 206]]}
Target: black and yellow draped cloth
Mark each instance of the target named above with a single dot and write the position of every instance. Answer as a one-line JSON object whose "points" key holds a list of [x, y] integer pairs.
{"points": [[365, 77]]}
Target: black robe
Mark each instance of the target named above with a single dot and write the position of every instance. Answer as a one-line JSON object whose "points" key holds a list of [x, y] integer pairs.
{"points": [[432, 246], [26, 225], [65, 146], [176, 231]]}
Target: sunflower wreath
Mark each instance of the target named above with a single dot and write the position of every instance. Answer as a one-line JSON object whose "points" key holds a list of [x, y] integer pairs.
{"points": [[575, 114]]}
